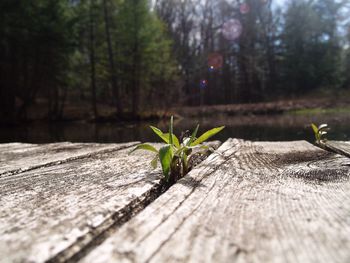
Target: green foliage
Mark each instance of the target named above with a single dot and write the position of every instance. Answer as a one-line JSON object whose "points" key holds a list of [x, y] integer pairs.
{"points": [[144, 50], [311, 47], [145, 146], [320, 132], [166, 155], [295, 49], [50, 46], [315, 111], [174, 156], [37, 42], [165, 136], [206, 136]]}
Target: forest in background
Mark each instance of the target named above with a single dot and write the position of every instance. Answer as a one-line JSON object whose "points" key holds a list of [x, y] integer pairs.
{"points": [[140, 55]]}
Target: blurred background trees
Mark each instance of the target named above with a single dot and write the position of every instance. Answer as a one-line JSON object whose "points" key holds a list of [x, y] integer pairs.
{"points": [[140, 55]]}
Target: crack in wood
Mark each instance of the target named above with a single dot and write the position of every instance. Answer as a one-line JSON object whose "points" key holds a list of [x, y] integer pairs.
{"points": [[97, 235], [187, 181], [342, 148], [183, 220]]}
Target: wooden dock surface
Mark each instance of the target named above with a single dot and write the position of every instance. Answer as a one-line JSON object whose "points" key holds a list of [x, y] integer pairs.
{"points": [[342, 148], [247, 202]]}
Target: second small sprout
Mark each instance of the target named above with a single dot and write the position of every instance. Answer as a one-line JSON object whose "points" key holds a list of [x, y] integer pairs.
{"points": [[320, 132]]}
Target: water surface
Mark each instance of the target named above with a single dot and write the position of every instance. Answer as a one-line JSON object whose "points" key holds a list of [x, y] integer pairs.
{"points": [[285, 127]]}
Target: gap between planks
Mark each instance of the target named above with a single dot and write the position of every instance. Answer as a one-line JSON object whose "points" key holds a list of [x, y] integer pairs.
{"points": [[339, 147]]}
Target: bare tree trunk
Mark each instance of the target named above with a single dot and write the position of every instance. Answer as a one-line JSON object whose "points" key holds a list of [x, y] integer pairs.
{"points": [[92, 61], [135, 66], [55, 101], [115, 88], [62, 101], [7, 89]]}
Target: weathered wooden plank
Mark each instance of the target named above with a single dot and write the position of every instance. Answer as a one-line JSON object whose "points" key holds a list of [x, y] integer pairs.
{"points": [[13, 145], [51, 213], [339, 147], [18, 157], [248, 202]]}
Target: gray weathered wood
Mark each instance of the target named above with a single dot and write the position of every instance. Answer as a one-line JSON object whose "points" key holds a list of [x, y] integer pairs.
{"points": [[248, 202], [19, 157], [339, 147], [51, 213], [62, 198]]}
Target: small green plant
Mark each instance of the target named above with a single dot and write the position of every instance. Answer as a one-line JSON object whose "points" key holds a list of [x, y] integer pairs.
{"points": [[174, 155], [320, 132]]}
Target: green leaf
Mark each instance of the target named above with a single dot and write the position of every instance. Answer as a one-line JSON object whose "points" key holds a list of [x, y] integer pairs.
{"points": [[193, 136], [165, 157], [160, 134], [154, 162], [314, 127], [166, 136], [205, 147], [205, 136], [144, 146], [171, 130], [176, 141], [185, 163], [316, 131]]}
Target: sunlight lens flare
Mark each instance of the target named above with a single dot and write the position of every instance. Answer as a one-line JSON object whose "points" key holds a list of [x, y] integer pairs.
{"points": [[244, 8], [232, 29], [215, 61], [203, 84]]}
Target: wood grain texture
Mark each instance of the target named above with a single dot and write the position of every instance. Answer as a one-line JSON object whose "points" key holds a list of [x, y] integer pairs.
{"points": [[51, 213], [19, 157], [248, 202]]}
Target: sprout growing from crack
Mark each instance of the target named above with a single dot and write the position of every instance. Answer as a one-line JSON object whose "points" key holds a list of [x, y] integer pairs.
{"points": [[175, 156]]}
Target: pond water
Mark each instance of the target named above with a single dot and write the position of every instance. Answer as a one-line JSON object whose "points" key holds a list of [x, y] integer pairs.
{"points": [[284, 127]]}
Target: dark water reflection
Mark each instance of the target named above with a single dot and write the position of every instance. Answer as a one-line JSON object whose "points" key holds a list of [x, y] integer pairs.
{"points": [[270, 128]]}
